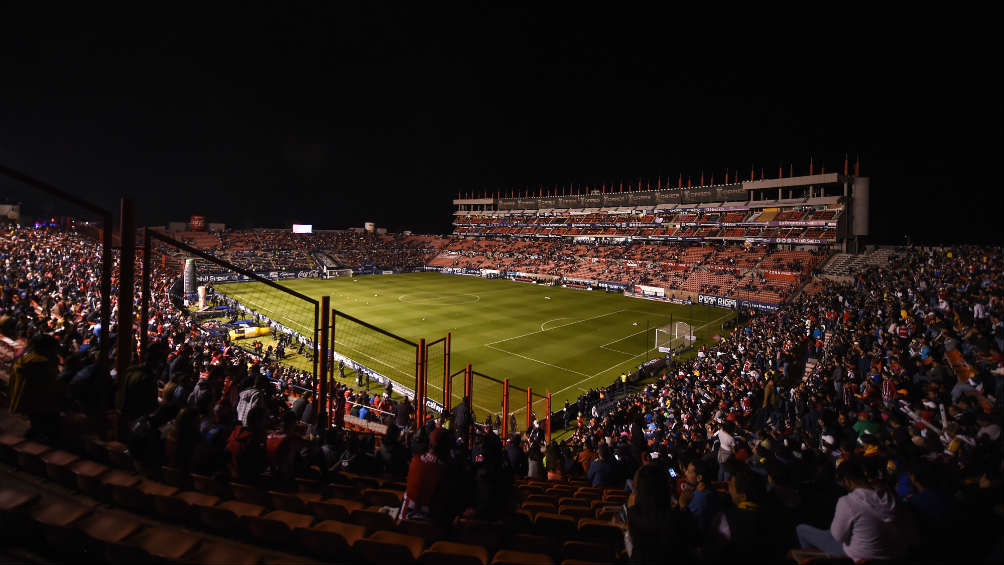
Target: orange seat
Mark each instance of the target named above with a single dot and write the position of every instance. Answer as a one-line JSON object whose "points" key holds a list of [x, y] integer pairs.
{"points": [[452, 553], [109, 527], [372, 519], [554, 525], [576, 512], [250, 494], [330, 539], [511, 557], [535, 544], [537, 507], [334, 509], [598, 531], [8, 442], [57, 466], [114, 478], [390, 547], [276, 527], [585, 551], [346, 492], [216, 553], [29, 456], [571, 501], [541, 498], [13, 500], [428, 531], [382, 497], [288, 502], [164, 543]]}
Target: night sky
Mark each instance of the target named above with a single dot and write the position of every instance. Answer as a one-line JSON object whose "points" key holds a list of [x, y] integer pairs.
{"points": [[343, 117]]}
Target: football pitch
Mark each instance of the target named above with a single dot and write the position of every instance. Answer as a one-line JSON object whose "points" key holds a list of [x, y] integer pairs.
{"points": [[565, 341]]}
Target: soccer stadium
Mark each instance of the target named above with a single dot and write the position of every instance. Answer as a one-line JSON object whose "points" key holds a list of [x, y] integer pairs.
{"points": [[706, 368]]}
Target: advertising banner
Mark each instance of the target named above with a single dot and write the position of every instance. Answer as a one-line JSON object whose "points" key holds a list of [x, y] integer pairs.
{"points": [[612, 285]]}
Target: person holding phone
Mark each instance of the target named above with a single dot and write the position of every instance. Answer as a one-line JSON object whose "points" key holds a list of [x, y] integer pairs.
{"points": [[656, 531]]}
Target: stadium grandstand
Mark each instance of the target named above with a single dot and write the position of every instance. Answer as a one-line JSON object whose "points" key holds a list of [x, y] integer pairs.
{"points": [[851, 414]]}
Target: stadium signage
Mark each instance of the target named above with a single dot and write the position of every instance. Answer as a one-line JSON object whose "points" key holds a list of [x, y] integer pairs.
{"points": [[719, 301], [270, 275], [612, 285]]}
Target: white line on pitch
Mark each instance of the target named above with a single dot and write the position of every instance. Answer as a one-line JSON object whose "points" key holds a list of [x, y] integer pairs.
{"points": [[534, 360], [626, 360], [555, 327]]}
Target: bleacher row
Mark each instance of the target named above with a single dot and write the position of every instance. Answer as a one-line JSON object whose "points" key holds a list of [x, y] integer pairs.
{"points": [[726, 225], [344, 519], [753, 273]]}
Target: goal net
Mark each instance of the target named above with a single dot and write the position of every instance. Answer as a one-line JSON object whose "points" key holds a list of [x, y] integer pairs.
{"points": [[674, 337], [333, 273]]}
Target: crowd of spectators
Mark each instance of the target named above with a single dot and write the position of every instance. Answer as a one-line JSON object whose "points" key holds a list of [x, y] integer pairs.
{"points": [[879, 450]]}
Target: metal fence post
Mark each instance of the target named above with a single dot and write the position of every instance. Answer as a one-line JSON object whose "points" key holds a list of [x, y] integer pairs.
{"points": [[127, 272]]}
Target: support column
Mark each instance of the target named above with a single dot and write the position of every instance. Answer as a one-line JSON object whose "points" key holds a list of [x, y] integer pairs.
{"points": [[144, 301], [548, 424], [127, 279], [446, 375], [322, 373], [505, 409], [420, 385], [529, 406]]}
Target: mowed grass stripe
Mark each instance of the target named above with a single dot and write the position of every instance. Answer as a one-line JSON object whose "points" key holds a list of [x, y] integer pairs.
{"points": [[500, 333]]}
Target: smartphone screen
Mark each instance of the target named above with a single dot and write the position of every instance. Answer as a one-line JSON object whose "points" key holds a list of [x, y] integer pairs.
{"points": [[672, 472]]}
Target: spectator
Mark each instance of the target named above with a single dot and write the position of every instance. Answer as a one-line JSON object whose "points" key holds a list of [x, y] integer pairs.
{"points": [[867, 524], [428, 493], [657, 532]]}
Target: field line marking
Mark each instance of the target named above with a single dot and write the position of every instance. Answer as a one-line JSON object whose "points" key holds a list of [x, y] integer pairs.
{"points": [[534, 360], [617, 351], [555, 327], [626, 360], [552, 320]]}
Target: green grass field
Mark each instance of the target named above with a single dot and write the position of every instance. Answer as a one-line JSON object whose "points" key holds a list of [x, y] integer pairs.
{"points": [[563, 340]]}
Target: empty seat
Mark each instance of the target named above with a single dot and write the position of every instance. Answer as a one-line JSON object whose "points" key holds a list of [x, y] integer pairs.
{"points": [[108, 527], [535, 544], [8, 442], [390, 547], [217, 553], [330, 539], [164, 543], [586, 551], [250, 494], [554, 525], [334, 509], [382, 497], [599, 531], [29, 456], [176, 478], [537, 507], [212, 486], [277, 526], [372, 519], [452, 553], [542, 498], [572, 501], [347, 492], [112, 479], [288, 502], [57, 466], [428, 531], [224, 516], [576, 512], [512, 557]]}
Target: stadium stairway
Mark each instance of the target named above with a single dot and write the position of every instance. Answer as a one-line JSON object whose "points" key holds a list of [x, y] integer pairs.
{"points": [[92, 506]]}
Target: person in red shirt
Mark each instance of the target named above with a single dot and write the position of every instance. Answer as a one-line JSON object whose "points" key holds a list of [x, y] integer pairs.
{"points": [[427, 496]]}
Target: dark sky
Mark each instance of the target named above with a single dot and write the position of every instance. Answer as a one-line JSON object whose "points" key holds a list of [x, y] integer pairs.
{"points": [[348, 116]]}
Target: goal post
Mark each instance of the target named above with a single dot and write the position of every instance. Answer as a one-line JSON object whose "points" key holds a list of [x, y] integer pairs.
{"points": [[674, 336], [335, 273]]}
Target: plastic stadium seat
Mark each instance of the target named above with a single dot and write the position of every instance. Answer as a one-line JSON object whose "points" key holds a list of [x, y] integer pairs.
{"points": [[538, 507], [117, 455], [288, 502], [585, 551], [428, 531], [511, 557], [57, 466], [554, 525], [8, 442], [174, 477], [224, 517], [481, 532], [250, 494], [382, 497], [390, 547], [581, 562], [111, 479], [29, 456], [330, 539], [334, 509], [599, 531], [164, 543], [277, 526], [372, 519], [542, 498], [572, 501], [534, 544], [606, 514], [108, 527], [173, 509], [452, 553], [575, 512], [216, 553], [197, 499], [346, 492]]}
